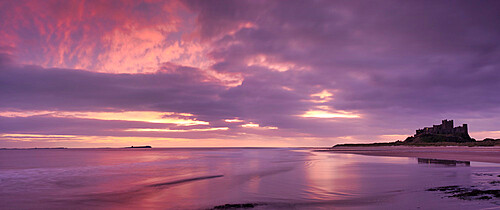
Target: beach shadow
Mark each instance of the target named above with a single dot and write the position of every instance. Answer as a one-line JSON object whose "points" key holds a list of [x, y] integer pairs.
{"points": [[443, 162]]}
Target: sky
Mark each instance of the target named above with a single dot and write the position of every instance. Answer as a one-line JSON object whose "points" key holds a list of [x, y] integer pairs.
{"points": [[113, 73]]}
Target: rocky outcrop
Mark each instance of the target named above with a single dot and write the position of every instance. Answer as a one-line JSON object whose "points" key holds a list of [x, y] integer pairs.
{"points": [[435, 138]]}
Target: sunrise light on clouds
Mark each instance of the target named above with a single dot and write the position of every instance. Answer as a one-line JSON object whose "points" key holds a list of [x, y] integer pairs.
{"points": [[249, 104], [195, 73]]}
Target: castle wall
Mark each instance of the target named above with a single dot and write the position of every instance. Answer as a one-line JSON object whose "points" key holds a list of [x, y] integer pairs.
{"points": [[460, 129]]}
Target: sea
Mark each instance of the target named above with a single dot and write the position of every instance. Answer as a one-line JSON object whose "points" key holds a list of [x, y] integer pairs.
{"points": [[232, 178]]}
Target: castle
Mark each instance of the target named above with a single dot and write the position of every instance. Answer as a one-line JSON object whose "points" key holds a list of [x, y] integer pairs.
{"points": [[446, 128]]}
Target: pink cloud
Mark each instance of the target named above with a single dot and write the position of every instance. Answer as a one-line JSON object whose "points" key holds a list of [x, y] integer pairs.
{"points": [[107, 36]]}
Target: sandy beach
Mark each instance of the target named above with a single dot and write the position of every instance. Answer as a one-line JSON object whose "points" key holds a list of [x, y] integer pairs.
{"points": [[481, 154]]}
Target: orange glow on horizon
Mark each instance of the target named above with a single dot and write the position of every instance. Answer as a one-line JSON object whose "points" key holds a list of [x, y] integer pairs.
{"points": [[83, 141]]}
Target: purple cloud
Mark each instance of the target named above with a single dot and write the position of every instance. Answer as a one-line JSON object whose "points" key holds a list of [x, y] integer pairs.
{"points": [[398, 65]]}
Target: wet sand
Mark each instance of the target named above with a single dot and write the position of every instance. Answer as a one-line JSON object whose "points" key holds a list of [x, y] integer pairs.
{"points": [[480, 154], [224, 178]]}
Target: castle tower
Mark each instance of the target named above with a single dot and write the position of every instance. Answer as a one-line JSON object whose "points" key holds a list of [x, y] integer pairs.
{"points": [[447, 125]]}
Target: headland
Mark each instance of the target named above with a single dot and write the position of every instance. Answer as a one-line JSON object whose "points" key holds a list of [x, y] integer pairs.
{"points": [[442, 141], [443, 134]]}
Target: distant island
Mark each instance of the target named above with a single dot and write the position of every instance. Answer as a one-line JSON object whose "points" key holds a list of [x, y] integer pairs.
{"points": [[138, 147], [444, 134]]}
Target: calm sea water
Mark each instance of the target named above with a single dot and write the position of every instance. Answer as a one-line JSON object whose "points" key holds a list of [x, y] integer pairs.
{"points": [[281, 178]]}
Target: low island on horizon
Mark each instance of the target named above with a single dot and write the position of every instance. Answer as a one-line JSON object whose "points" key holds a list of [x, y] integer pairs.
{"points": [[139, 147]]}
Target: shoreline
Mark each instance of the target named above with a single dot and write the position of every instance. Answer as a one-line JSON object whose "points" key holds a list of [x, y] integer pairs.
{"points": [[478, 154]]}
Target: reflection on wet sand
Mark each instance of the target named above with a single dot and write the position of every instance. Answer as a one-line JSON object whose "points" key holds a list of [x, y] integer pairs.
{"points": [[281, 178], [443, 162]]}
